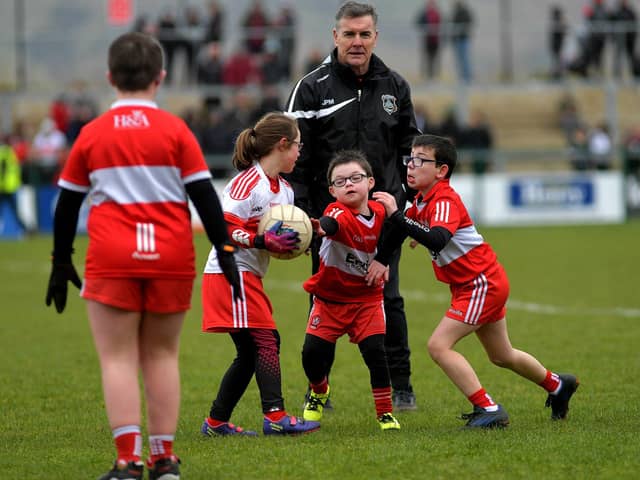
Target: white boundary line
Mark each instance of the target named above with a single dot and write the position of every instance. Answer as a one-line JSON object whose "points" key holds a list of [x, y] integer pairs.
{"points": [[513, 304]]}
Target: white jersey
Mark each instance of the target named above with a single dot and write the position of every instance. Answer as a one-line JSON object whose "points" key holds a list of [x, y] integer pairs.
{"points": [[245, 199]]}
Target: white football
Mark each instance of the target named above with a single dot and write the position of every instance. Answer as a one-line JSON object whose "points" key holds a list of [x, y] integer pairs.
{"points": [[293, 219]]}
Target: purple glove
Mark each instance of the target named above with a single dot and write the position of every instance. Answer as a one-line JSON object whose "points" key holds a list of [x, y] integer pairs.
{"points": [[277, 242]]}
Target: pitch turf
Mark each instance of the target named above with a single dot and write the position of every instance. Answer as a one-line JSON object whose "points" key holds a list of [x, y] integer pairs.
{"points": [[575, 304]]}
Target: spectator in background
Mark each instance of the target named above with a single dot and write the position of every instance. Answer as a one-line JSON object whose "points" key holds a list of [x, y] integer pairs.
{"points": [[142, 24], [284, 28], [215, 23], [631, 152], [60, 112], [462, 20], [255, 23], [600, 147], [478, 139], [10, 180], [47, 152], [428, 21], [313, 61], [81, 114], [579, 149], [19, 141], [569, 118], [624, 37], [557, 33], [210, 65], [167, 32], [241, 69], [192, 31], [598, 25], [450, 126]]}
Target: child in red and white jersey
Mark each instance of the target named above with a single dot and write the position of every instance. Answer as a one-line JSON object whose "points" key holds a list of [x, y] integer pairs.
{"points": [[261, 154], [137, 164], [343, 303], [479, 285]]}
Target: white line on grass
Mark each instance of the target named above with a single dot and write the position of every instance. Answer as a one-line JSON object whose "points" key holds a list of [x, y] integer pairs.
{"points": [[538, 308]]}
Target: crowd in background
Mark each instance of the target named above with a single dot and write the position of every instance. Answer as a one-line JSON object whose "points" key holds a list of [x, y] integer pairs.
{"points": [[263, 56], [263, 61], [604, 26]]}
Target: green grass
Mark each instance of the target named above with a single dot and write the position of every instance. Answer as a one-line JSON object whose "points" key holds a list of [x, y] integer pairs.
{"points": [[575, 304]]}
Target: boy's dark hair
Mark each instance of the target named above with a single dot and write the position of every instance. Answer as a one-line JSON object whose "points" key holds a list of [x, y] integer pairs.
{"points": [[135, 61], [356, 10], [348, 156], [444, 152]]}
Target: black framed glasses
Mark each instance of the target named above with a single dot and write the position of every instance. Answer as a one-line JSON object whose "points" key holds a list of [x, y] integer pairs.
{"points": [[417, 161], [299, 144], [355, 178]]}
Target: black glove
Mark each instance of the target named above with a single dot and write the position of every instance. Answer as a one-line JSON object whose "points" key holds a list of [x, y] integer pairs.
{"points": [[62, 271], [227, 262]]}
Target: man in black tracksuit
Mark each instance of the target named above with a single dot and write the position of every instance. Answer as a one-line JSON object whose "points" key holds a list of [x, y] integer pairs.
{"points": [[354, 101]]}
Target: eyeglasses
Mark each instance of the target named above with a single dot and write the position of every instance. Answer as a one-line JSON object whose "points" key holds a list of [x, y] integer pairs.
{"points": [[299, 144], [417, 161], [355, 178]]}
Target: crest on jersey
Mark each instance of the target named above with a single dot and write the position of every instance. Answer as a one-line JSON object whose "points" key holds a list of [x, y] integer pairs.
{"points": [[389, 104], [315, 321]]}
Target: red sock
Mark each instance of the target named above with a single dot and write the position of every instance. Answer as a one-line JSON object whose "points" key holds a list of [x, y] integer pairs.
{"points": [[275, 416], [214, 423], [128, 443], [382, 398], [551, 382], [482, 399], [160, 446], [320, 387]]}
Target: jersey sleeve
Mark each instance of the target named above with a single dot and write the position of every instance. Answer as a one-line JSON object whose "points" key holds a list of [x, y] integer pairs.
{"points": [[75, 173], [444, 212], [241, 223]]}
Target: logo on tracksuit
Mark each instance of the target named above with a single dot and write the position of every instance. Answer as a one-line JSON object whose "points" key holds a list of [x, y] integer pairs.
{"points": [[389, 104]]}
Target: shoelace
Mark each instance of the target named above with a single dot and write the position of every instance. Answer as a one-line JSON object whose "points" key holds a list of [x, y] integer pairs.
{"points": [[386, 418], [314, 403]]}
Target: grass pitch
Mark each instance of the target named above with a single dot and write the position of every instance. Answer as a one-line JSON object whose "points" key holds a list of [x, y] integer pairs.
{"points": [[575, 304]]}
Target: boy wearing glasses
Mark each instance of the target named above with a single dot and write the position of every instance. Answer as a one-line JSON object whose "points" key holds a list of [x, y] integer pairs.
{"points": [[343, 302], [479, 285]]}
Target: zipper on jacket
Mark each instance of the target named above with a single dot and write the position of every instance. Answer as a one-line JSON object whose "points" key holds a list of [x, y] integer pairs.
{"points": [[359, 123]]}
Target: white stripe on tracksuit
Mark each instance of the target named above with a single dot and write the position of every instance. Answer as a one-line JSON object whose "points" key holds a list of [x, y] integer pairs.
{"points": [[478, 297], [239, 307]]}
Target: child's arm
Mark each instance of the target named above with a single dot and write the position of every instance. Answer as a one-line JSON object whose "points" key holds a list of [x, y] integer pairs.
{"points": [[434, 239]]}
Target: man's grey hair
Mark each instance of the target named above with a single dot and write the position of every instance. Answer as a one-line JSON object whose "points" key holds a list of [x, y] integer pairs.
{"points": [[356, 10]]}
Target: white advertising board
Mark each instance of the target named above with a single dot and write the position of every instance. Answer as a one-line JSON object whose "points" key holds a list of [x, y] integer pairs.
{"points": [[543, 198]]}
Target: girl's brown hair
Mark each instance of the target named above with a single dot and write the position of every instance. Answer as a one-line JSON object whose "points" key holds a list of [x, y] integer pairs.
{"points": [[254, 143]]}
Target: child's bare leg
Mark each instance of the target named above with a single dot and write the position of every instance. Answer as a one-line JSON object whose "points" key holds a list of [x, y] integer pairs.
{"points": [[495, 340], [455, 366]]}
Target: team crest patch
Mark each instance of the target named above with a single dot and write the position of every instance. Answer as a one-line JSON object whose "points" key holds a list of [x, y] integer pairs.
{"points": [[315, 321], [389, 104]]}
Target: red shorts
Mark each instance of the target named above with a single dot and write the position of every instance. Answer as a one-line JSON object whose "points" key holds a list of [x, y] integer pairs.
{"points": [[221, 313], [156, 295], [482, 300], [330, 321]]}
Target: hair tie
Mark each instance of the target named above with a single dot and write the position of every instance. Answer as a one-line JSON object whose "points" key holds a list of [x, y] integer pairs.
{"points": [[252, 133]]}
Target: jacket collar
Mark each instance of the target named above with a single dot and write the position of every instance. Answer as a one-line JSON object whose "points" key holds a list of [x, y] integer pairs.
{"points": [[376, 68]]}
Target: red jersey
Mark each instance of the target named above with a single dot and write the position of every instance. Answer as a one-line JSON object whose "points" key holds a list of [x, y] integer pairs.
{"points": [[134, 162], [466, 255], [345, 256]]}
